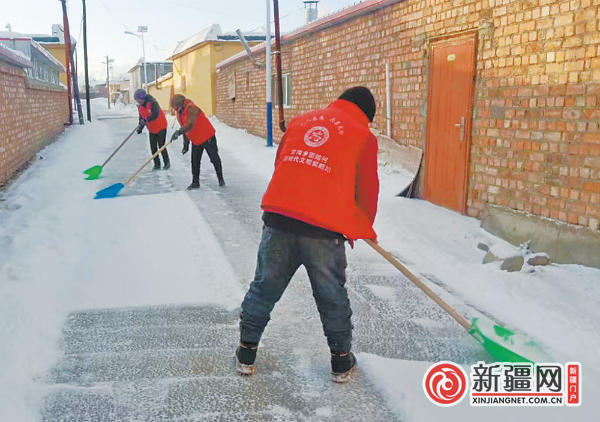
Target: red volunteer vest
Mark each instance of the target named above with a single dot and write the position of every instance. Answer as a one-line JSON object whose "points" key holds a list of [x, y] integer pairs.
{"points": [[202, 130], [154, 126], [315, 177]]}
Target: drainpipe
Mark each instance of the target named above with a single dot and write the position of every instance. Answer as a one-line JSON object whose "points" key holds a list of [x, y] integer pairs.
{"points": [[388, 108]]}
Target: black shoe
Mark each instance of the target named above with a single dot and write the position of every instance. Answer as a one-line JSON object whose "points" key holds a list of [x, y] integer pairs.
{"points": [[156, 167], [245, 355], [194, 185], [167, 166], [221, 182], [342, 366]]}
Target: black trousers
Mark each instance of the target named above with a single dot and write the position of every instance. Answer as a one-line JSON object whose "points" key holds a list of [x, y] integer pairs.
{"points": [[157, 140], [213, 153]]}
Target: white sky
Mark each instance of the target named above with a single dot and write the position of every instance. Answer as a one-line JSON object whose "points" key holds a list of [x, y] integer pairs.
{"points": [[47, 270], [168, 21]]}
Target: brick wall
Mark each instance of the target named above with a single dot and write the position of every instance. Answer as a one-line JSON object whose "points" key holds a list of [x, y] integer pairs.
{"points": [[535, 143], [32, 114]]}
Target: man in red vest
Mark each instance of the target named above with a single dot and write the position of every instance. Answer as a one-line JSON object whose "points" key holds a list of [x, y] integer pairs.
{"points": [[152, 117], [196, 128], [323, 191]]}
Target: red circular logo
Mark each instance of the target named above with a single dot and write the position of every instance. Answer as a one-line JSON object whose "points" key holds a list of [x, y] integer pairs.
{"points": [[445, 383], [316, 136]]}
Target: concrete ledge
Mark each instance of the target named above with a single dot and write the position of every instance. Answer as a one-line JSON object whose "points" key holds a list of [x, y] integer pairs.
{"points": [[45, 86], [565, 243]]}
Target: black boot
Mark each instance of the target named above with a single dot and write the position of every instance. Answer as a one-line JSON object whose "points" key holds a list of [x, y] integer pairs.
{"points": [[156, 167], [221, 182], [246, 354], [195, 185], [167, 166], [342, 366]]}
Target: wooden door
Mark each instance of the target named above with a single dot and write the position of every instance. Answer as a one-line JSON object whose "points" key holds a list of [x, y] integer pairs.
{"points": [[451, 80]]}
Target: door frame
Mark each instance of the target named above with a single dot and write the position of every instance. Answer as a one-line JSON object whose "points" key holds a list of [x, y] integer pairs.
{"points": [[469, 35]]}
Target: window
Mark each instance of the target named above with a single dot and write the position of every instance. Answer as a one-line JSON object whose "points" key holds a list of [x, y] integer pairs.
{"points": [[43, 72], [286, 80]]}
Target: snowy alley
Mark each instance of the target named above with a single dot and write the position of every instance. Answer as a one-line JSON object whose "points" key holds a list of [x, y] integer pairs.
{"points": [[126, 309]]}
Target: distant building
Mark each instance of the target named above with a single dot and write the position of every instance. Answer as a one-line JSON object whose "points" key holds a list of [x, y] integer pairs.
{"points": [[45, 67], [55, 44], [154, 70], [195, 60], [162, 89]]}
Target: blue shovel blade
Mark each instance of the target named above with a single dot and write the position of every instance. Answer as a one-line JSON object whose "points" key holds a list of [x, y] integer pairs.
{"points": [[110, 192]]}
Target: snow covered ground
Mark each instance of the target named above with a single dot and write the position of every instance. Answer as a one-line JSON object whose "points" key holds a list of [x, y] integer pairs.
{"points": [[61, 251]]}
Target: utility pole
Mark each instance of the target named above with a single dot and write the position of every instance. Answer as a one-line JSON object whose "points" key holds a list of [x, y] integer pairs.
{"points": [[67, 59], [108, 62], [268, 72], [76, 90], [143, 29], [85, 57]]}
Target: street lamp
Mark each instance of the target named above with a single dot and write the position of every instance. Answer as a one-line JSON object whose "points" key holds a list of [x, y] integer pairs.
{"points": [[141, 29]]}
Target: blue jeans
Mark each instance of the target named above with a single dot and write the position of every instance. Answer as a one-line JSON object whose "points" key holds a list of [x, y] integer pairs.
{"points": [[280, 254]]}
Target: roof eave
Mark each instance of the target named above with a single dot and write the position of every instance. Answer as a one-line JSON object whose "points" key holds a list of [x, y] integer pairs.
{"points": [[334, 19]]}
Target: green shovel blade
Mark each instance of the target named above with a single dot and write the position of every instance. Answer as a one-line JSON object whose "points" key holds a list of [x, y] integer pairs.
{"points": [[93, 172], [504, 345]]}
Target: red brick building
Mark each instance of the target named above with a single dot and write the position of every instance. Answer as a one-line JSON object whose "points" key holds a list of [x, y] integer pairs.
{"points": [[33, 103], [502, 95]]}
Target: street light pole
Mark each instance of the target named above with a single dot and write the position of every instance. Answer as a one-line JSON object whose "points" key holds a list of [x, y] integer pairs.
{"points": [[144, 58], [268, 71], [142, 29]]}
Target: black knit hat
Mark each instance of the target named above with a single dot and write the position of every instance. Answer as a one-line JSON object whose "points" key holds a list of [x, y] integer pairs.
{"points": [[363, 98], [177, 100]]}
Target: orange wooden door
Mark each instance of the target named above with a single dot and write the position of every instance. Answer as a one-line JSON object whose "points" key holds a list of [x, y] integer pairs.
{"points": [[452, 72]]}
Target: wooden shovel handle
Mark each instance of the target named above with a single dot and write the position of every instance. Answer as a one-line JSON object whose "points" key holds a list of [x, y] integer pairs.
{"points": [[145, 164], [419, 284]]}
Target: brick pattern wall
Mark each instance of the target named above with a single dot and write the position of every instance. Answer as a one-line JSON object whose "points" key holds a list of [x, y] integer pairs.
{"points": [[32, 114], [535, 143]]}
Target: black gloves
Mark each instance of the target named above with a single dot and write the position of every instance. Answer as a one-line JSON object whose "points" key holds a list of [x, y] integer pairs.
{"points": [[140, 126], [175, 135], [186, 145]]}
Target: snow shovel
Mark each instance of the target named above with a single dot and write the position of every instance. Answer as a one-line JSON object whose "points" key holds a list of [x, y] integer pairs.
{"points": [[94, 172], [497, 340], [113, 190]]}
